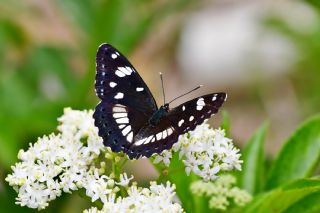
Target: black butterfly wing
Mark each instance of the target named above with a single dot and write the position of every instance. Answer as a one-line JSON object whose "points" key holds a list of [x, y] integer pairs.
{"points": [[188, 115], [184, 118], [126, 101], [153, 139], [117, 81]]}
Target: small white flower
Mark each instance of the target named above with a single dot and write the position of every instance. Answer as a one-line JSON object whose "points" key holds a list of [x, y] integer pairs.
{"points": [[124, 180], [165, 157], [96, 186]]}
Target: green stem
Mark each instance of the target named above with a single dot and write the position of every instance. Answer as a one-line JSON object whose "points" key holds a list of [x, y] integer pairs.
{"points": [[116, 169], [123, 163]]}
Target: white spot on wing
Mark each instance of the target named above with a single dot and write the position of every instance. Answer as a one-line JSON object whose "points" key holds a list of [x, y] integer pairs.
{"points": [[159, 136], [180, 122], [126, 130], [164, 134], [119, 95], [214, 98], [191, 118], [114, 56], [139, 142], [112, 84], [130, 137], [169, 131], [125, 70], [200, 104], [119, 114], [183, 108], [148, 139], [120, 74], [121, 126], [119, 108], [122, 120], [139, 89]]}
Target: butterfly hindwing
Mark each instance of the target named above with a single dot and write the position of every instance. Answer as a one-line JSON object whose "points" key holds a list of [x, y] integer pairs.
{"points": [[153, 139], [117, 124]]}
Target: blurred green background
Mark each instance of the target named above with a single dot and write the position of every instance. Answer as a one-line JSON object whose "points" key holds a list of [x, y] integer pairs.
{"points": [[265, 54]]}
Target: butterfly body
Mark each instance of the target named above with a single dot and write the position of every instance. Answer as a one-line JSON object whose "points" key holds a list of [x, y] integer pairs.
{"points": [[128, 118], [159, 114]]}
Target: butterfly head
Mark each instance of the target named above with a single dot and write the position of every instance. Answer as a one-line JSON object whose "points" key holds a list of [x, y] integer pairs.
{"points": [[165, 107]]}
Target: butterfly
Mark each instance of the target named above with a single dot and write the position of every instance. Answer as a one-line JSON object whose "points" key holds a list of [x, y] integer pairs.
{"points": [[128, 118]]}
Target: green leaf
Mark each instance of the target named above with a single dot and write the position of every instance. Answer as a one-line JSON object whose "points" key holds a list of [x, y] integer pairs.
{"points": [[283, 198], [309, 204], [251, 176], [226, 122], [299, 155]]}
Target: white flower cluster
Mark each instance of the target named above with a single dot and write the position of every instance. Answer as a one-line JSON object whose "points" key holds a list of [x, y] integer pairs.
{"points": [[68, 161], [58, 162], [157, 198], [205, 152], [221, 192]]}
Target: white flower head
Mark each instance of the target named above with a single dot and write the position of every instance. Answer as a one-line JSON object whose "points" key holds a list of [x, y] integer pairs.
{"points": [[59, 163], [157, 198], [221, 192], [205, 152]]}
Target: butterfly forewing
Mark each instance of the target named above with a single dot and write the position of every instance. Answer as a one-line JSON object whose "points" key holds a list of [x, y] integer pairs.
{"points": [[117, 81], [188, 115], [154, 139], [126, 102]]}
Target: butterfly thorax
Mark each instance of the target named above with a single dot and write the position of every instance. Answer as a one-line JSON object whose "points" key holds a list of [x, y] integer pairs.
{"points": [[159, 114]]}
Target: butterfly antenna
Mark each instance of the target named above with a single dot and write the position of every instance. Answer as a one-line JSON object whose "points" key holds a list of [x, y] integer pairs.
{"points": [[164, 96], [198, 87]]}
